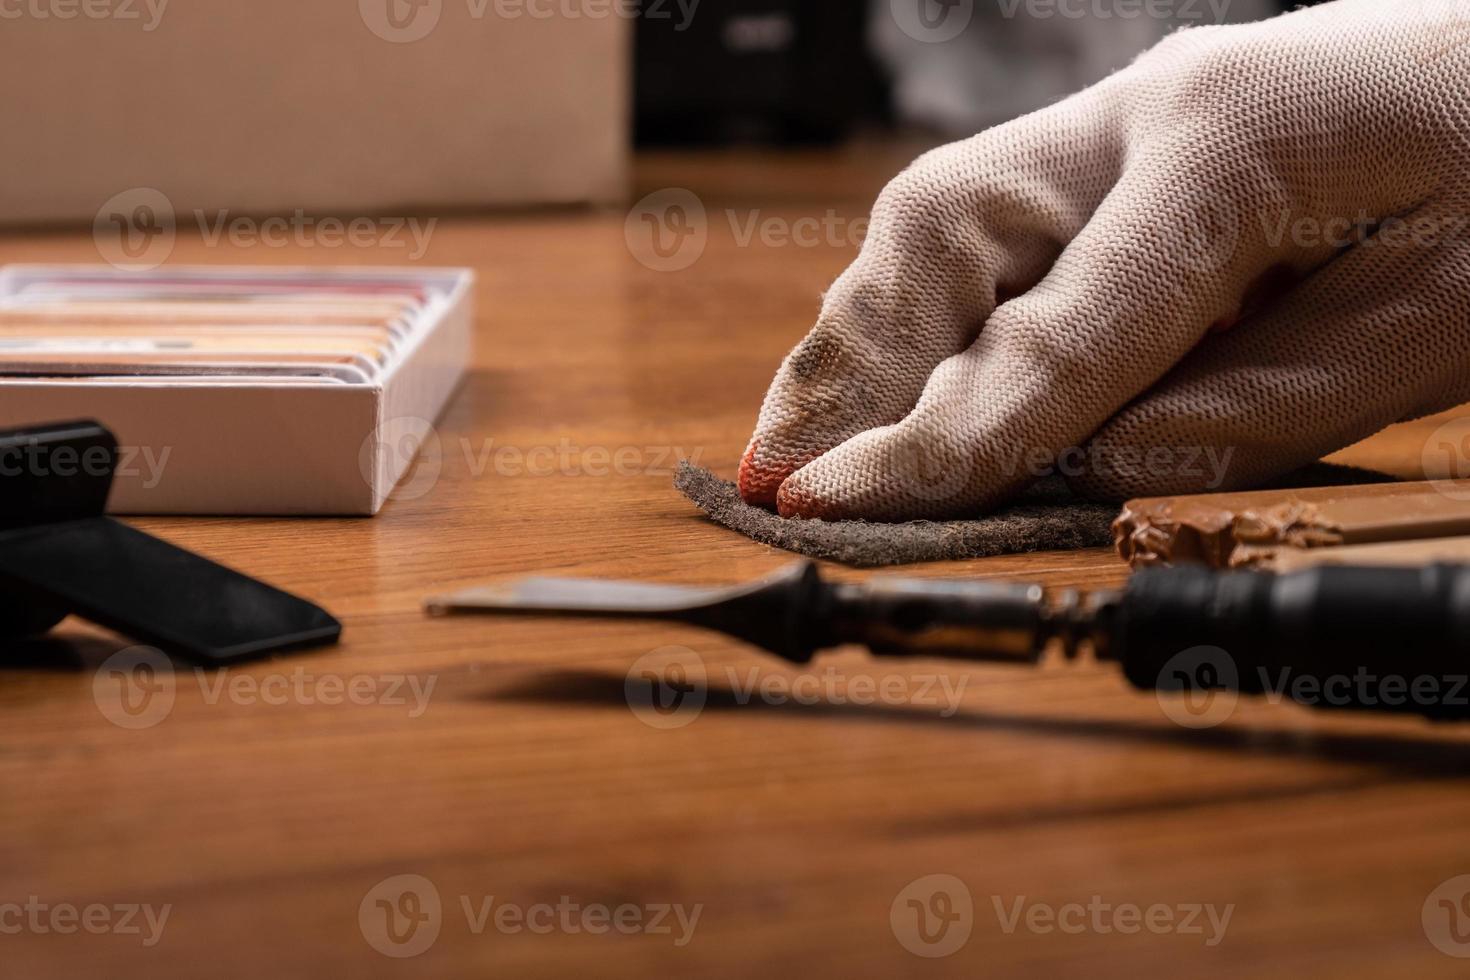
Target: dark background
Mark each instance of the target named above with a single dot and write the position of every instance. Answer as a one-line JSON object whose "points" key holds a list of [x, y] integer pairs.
{"points": [[763, 71]]}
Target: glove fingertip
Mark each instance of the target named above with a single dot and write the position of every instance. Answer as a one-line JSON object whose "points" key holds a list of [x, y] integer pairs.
{"points": [[797, 502], [758, 481]]}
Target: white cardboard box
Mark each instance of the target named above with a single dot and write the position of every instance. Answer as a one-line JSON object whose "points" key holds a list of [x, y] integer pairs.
{"points": [[262, 448]]}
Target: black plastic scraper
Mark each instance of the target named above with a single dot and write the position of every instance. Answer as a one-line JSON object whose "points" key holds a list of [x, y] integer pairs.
{"points": [[60, 555]]}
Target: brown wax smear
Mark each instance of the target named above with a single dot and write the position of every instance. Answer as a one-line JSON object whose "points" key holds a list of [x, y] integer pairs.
{"points": [[1046, 518], [1233, 530], [1412, 554]]}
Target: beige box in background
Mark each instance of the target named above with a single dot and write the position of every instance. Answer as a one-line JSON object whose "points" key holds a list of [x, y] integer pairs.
{"points": [[327, 106]]}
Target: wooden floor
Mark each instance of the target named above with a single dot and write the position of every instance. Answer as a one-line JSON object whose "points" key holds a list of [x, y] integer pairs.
{"points": [[800, 832]]}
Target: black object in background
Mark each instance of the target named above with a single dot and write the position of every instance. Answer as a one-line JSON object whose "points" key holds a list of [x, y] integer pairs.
{"points": [[782, 71], [59, 555]]}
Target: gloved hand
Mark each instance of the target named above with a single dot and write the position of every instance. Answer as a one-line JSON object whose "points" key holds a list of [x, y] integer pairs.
{"points": [[1247, 250]]}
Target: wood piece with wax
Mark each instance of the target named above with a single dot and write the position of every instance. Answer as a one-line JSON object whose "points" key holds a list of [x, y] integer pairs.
{"points": [[1235, 530]]}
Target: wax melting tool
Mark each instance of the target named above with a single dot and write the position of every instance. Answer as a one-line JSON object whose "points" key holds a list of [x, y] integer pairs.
{"points": [[1329, 637], [59, 555]]}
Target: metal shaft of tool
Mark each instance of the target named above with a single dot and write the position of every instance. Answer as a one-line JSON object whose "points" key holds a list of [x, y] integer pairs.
{"points": [[795, 613]]}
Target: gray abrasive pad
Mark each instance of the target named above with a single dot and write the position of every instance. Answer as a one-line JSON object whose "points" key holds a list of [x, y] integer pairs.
{"points": [[1045, 518]]}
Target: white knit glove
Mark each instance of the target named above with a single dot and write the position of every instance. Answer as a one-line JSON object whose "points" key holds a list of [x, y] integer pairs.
{"points": [[1245, 251]]}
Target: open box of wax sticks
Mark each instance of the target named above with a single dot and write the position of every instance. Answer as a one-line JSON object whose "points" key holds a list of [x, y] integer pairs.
{"points": [[239, 390]]}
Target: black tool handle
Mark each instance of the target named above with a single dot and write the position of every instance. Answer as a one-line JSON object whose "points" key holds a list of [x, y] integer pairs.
{"points": [[1376, 639], [59, 555]]}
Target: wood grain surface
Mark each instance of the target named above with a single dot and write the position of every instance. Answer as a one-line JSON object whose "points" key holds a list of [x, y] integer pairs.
{"points": [[271, 808]]}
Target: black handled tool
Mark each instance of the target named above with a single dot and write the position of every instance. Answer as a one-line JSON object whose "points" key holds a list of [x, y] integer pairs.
{"points": [[1379, 639], [59, 555]]}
